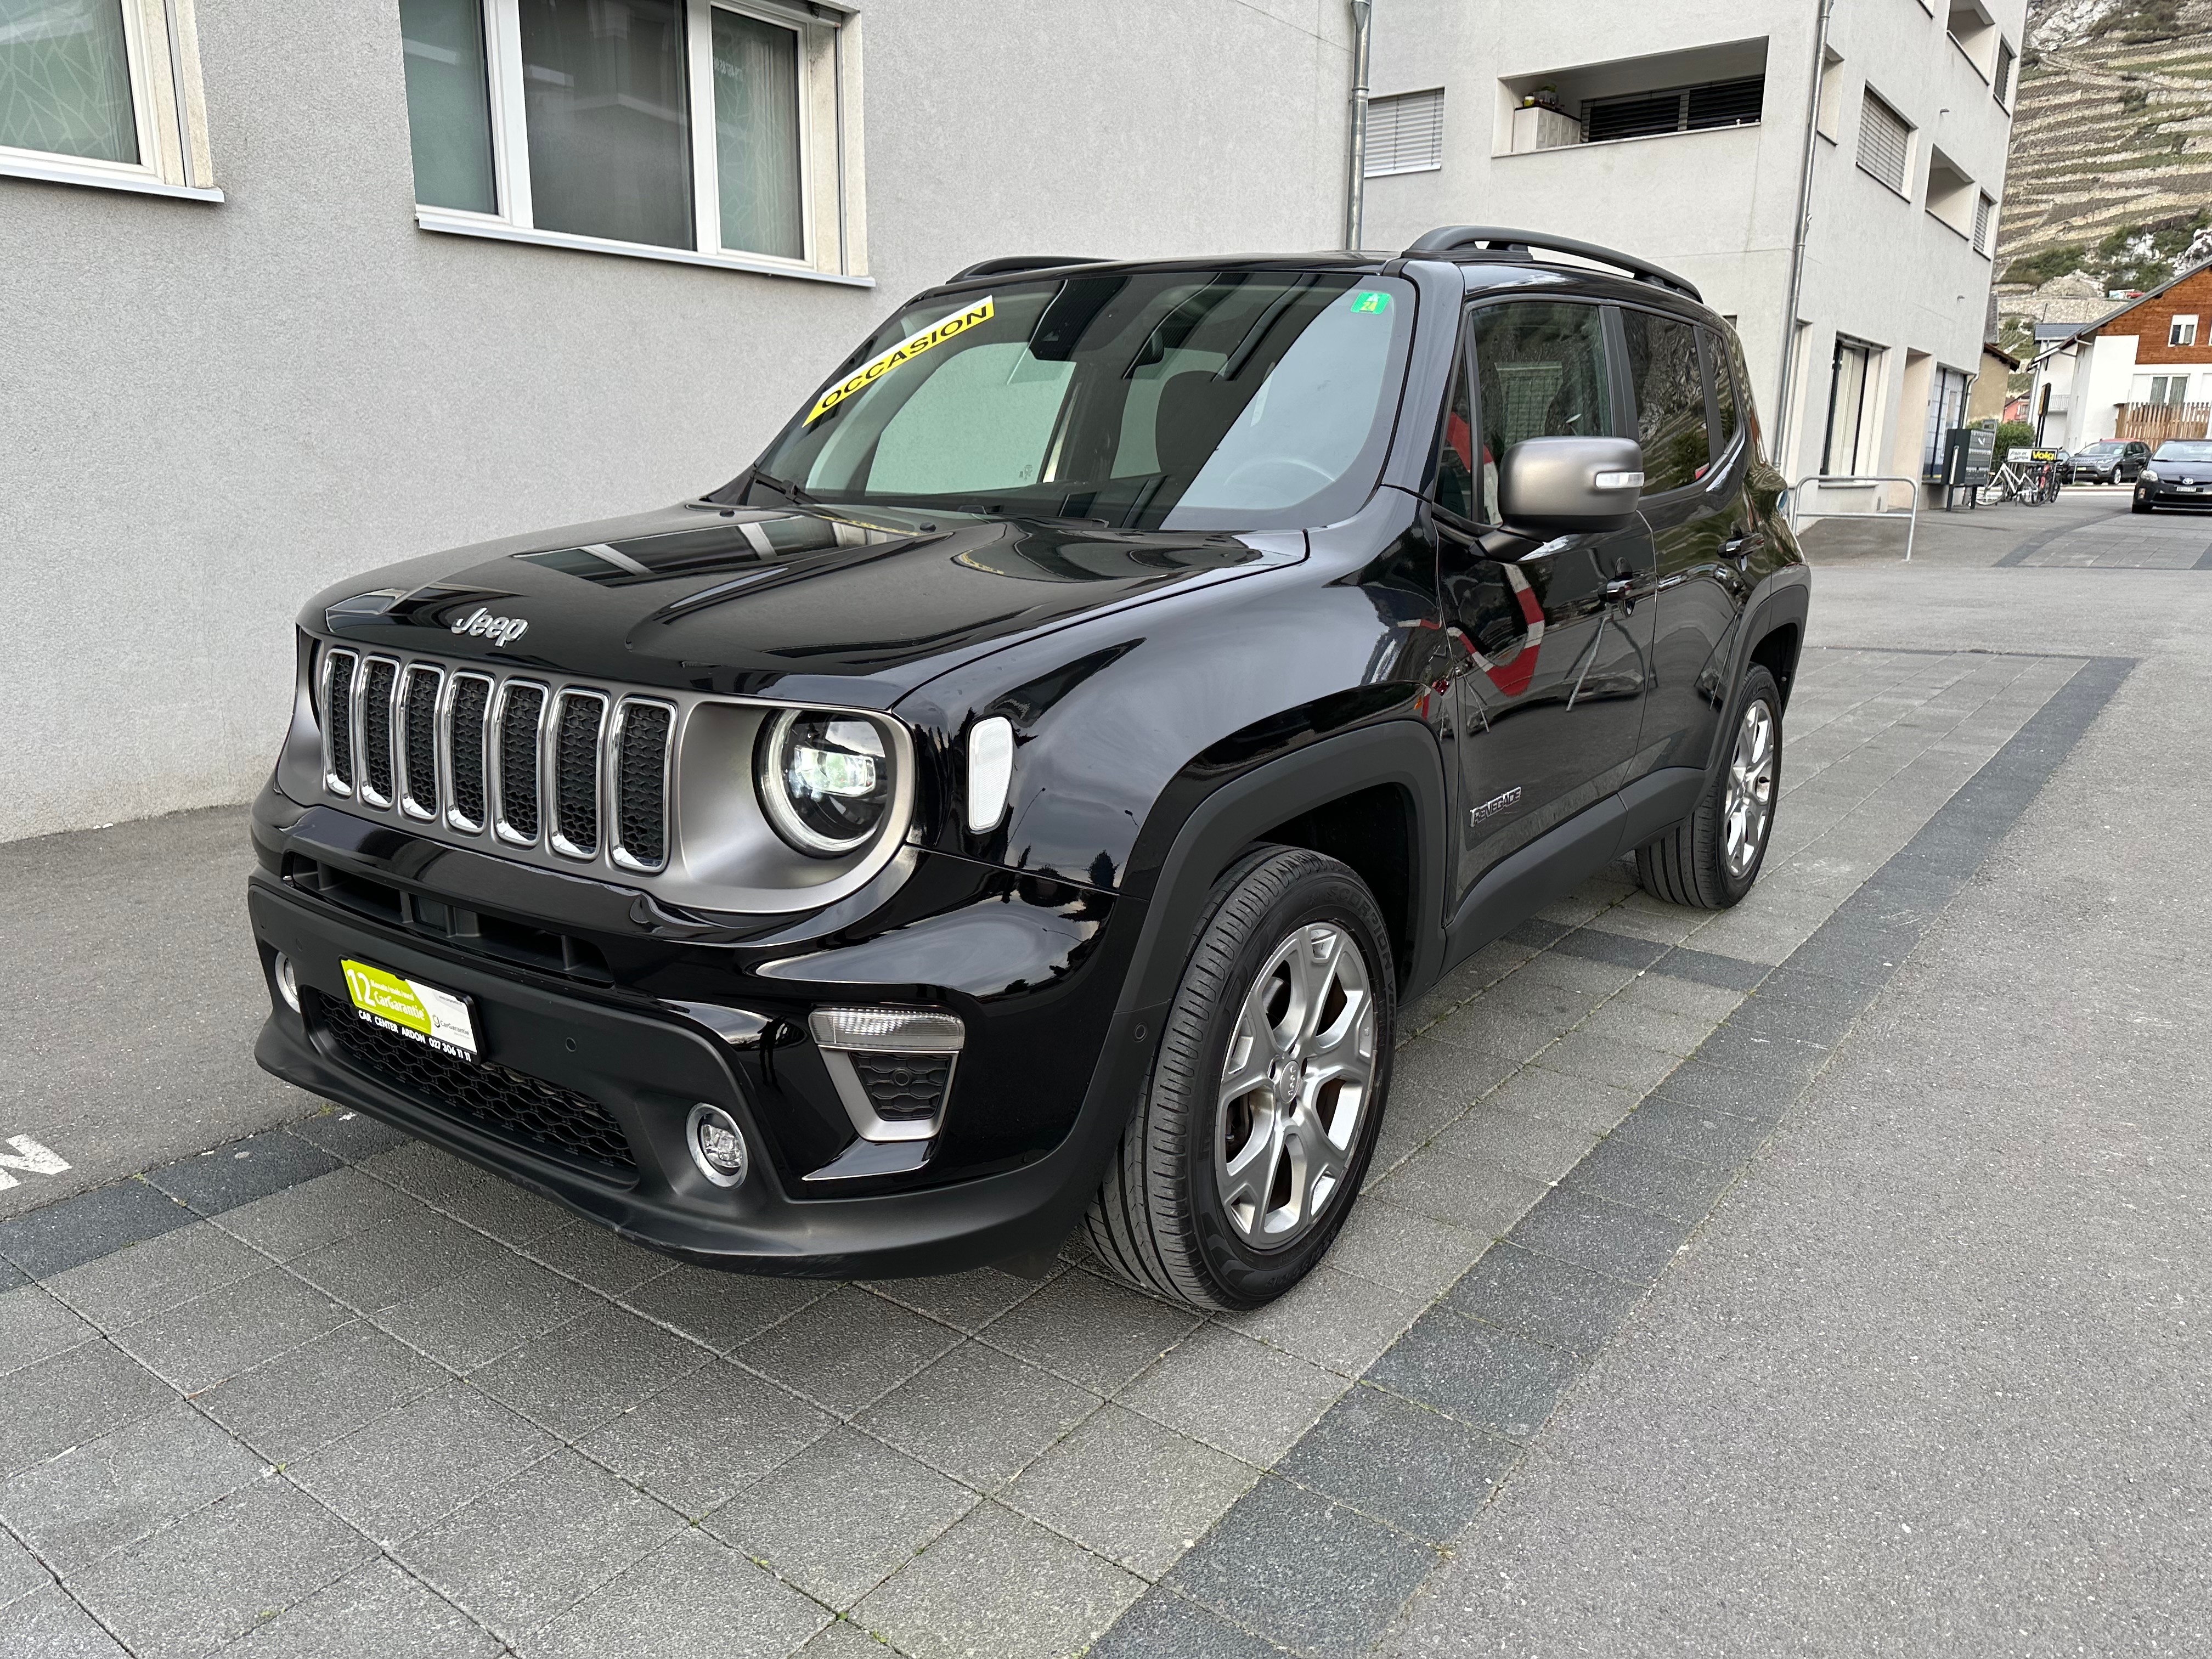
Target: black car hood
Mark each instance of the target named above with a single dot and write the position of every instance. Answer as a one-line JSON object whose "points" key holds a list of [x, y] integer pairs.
{"points": [[811, 604], [2183, 471]]}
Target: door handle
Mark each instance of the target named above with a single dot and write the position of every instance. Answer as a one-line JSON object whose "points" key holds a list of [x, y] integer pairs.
{"points": [[1738, 547], [1620, 587]]}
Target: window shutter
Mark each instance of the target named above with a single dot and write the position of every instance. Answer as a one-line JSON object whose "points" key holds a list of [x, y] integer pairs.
{"points": [[1405, 134], [2002, 84], [1982, 206], [1883, 140]]}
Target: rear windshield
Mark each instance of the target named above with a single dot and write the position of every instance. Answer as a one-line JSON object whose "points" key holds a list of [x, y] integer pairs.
{"points": [[2176, 449], [1250, 400]]}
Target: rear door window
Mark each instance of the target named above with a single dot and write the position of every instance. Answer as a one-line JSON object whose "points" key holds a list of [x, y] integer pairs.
{"points": [[1726, 418], [1664, 371]]}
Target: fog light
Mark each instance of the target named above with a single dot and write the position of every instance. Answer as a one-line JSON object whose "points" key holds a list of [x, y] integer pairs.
{"points": [[287, 982], [718, 1146]]}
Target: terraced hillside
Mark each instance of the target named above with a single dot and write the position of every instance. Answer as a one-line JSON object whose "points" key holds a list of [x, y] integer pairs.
{"points": [[2112, 155]]}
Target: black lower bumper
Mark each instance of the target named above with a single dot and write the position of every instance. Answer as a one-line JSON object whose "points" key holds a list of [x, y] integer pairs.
{"points": [[647, 1074], [2168, 495]]}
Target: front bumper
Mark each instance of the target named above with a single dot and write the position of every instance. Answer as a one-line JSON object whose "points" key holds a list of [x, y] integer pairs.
{"points": [[2164, 494], [1038, 1103]]}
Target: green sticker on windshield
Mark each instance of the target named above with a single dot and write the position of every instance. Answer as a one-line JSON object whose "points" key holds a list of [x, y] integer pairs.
{"points": [[1371, 300]]}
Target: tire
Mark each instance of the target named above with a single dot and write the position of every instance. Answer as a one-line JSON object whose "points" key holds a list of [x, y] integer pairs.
{"points": [[2138, 506], [1160, 1219], [1697, 862]]}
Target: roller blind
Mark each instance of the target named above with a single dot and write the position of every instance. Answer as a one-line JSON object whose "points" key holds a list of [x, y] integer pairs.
{"points": [[1405, 134], [1883, 140]]}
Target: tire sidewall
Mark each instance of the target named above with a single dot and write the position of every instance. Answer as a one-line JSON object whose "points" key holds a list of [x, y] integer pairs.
{"points": [[1243, 1277], [1758, 686]]}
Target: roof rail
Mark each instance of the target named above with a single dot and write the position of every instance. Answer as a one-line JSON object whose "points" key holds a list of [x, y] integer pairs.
{"points": [[1496, 239], [1021, 262]]}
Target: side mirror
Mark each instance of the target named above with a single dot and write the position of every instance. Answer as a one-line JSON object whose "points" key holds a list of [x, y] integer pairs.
{"points": [[1555, 486]]}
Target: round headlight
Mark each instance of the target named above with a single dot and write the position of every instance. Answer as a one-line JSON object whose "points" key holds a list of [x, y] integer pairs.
{"points": [[824, 780]]}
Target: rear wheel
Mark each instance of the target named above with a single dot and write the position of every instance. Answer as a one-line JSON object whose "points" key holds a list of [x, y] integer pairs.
{"points": [[1710, 858], [1260, 1109]]}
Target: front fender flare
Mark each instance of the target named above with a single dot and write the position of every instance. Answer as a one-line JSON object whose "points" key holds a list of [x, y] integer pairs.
{"points": [[1401, 753]]}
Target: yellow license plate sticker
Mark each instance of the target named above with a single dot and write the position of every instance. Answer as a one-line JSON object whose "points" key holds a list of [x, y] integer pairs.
{"points": [[411, 1008]]}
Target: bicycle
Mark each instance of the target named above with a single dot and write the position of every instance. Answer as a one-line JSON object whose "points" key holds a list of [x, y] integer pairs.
{"points": [[2035, 482]]}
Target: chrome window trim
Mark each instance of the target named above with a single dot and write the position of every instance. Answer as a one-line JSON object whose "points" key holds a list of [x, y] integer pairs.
{"points": [[548, 770], [455, 819], [495, 783], [403, 779], [611, 787], [364, 791], [326, 671]]}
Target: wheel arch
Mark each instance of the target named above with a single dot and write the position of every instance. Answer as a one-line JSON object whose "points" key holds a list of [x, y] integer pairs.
{"points": [[1375, 792]]}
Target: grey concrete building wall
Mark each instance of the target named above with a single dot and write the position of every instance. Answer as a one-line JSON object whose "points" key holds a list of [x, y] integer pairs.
{"points": [[1719, 205], [212, 410]]}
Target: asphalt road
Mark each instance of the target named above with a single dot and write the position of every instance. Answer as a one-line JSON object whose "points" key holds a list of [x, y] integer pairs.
{"points": [[1934, 1379], [129, 996]]}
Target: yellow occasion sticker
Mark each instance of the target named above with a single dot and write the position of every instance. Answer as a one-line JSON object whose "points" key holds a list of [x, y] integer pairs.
{"points": [[913, 346]]}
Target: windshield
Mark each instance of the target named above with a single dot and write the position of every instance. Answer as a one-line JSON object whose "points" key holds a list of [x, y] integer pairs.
{"points": [[2176, 449], [2104, 449], [1162, 400]]}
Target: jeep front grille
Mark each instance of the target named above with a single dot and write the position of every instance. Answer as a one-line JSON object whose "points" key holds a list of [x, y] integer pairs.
{"points": [[582, 771]]}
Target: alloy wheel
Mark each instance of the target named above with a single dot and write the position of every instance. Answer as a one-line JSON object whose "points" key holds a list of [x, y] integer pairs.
{"points": [[1748, 807], [1294, 1084]]}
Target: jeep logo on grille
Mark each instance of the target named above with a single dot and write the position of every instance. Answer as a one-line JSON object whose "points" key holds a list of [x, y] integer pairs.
{"points": [[499, 630]]}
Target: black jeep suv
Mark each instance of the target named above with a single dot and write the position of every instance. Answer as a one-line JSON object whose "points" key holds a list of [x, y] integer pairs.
{"points": [[1026, 797]]}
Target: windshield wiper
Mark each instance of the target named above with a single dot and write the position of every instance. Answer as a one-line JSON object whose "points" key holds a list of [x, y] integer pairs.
{"points": [[790, 492]]}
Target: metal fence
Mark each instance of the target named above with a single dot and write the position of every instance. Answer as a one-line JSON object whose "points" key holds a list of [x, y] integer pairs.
{"points": [[1837, 480]]}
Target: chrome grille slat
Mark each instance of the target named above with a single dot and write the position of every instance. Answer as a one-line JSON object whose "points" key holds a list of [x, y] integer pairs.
{"points": [[422, 688], [461, 730], [579, 727], [521, 723], [375, 689], [641, 758], [337, 706]]}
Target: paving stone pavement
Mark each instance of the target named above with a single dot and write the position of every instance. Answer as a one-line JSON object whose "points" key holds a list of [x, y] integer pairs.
{"points": [[326, 1388]]}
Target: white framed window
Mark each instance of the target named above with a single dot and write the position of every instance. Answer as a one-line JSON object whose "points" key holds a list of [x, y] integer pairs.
{"points": [[1885, 142], [720, 132], [2181, 331], [105, 93], [1405, 133], [1984, 216], [2001, 82]]}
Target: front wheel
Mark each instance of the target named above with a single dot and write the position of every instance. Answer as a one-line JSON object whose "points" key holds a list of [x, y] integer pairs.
{"points": [[1710, 858], [1260, 1109]]}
